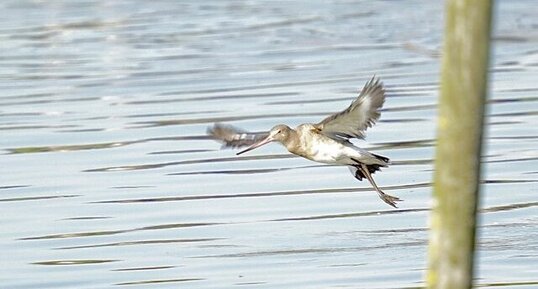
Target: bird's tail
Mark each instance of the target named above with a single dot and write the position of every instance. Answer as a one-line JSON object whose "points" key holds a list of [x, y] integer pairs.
{"points": [[358, 173], [361, 170], [372, 168]]}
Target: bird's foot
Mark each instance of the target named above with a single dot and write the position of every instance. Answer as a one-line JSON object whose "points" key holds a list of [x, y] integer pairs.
{"points": [[391, 200]]}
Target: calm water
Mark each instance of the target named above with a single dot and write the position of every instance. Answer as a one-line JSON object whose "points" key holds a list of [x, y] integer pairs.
{"points": [[108, 180]]}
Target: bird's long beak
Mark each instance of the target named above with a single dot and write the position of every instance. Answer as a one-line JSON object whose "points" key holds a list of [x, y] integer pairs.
{"points": [[257, 145]]}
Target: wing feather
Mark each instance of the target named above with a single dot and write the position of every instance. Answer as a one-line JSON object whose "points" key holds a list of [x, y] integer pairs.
{"points": [[360, 115], [233, 137]]}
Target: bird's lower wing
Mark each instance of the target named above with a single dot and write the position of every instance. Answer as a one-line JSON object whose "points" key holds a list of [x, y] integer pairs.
{"points": [[233, 137], [360, 115]]}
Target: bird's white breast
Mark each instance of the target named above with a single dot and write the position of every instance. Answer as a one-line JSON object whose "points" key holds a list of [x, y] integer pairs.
{"points": [[322, 149]]}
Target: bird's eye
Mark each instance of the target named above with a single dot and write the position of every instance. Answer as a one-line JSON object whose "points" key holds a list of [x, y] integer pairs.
{"points": [[279, 131]]}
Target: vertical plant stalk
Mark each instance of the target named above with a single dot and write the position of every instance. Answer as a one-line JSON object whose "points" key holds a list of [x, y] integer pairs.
{"points": [[464, 80]]}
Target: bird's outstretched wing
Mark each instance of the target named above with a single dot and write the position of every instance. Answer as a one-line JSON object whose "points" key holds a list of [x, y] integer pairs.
{"points": [[360, 115], [233, 137]]}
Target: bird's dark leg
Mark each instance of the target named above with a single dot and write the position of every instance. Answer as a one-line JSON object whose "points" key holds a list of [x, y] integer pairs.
{"points": [[391, 200]]}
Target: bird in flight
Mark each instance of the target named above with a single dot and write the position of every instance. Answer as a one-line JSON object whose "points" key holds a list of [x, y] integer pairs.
{"points": [[327, 141]]}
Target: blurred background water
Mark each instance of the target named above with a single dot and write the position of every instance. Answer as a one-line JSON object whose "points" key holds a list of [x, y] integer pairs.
{"points": [[108, 179]]}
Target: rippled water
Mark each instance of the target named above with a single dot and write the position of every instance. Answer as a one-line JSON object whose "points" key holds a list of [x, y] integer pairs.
{"points": [[108, 178]]}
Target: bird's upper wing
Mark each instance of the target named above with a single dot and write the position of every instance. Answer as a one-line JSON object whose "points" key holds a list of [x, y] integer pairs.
{"points": [[232, 137], [360, 115]]}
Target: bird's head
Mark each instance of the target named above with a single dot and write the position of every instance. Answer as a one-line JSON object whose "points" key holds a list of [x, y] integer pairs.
{"points": [[279, 133]]}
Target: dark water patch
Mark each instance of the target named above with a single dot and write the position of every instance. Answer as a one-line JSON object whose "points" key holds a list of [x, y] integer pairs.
{"points": [[306, 101], [148, 115], [68, 148], [271, 85], [347, 265], [131, 187], [81, 130], [403, 120], [321, 250], [32, 127], [199, 161], [393, 231], [143, 242], [243, 171], [75, 235], [214, 97], [312, 101], [158, 281], [517, 113], [410, 94], [181, 56], [516, 137], [325, 48], [36, 36], [28, 95], [50, 99], [507, 284], [412, 86], [354, 15], [74, 262], [518, 89], [134, 167], [400, 211], [169, 73], [52, 76], [352, 215], [19, 114], [13, 187], [175, 138], [506, 69], [115, 232], [287, 193], [513, 160], [92, 84], [249, 283], [209, 120], [85, 25], [37, 198], [262, 194], [179, 152], [411, 162], [251, 27], [26, 102], [508, 181], [274, 253], [406, 144], [89, 218], [506, 122], [143, 268], [175, 225], [411, 108], [509, 207], [513, 100], [514, 38]]}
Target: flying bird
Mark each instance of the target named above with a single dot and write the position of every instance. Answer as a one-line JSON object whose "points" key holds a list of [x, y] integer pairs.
{"points": [[327, 141]]}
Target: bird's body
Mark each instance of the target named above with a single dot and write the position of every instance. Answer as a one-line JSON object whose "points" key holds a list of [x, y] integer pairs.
{"points": [[317, 147], [327, 141]]}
